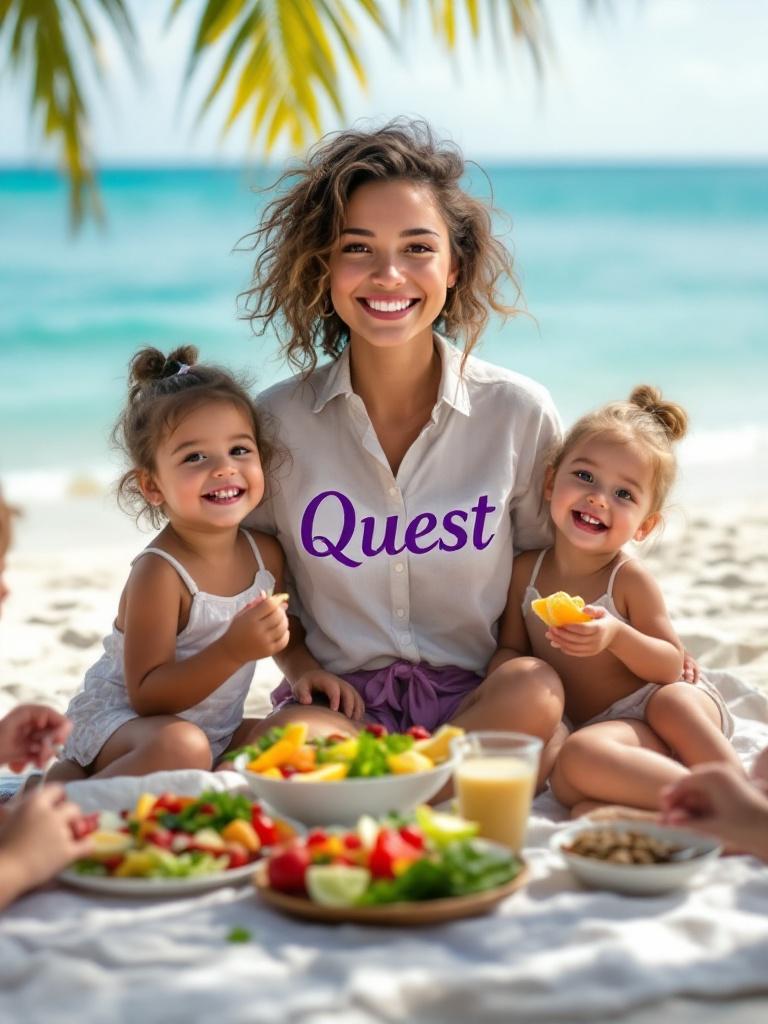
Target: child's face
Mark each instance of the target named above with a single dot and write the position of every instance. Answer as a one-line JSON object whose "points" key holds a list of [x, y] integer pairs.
{"points": [[601, 495], [392, 266], [208, 471]]}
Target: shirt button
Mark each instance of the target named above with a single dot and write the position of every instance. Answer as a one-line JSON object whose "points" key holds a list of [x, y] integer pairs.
{"points": [[399, 566], [400, 612]]}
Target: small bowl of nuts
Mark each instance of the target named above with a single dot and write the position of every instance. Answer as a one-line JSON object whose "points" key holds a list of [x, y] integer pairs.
{"points": [[638, 858]]}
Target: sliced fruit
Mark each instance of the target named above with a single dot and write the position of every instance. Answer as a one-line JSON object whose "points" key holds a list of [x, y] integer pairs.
{"points": [[243, 832], [144, 806], [444, 828], [109, 844], [409, 761], [336, 885], [305, 759], [296, 733], [327, 773], [268, 773], [560, 609], [438, 746], [136, 864], [344, 751], [207, 839]]}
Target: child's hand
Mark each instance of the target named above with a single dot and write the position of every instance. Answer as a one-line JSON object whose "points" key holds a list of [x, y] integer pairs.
{"points": [[341, 695], [259, 630], [30, 733], [37, 840], [717, 800], [585, 639]]}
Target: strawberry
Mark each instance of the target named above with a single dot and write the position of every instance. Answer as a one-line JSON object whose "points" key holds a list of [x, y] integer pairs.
{"points": [[419, 732], [376, 729]]}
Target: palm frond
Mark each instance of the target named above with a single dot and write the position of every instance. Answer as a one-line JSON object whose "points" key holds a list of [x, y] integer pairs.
{"points": [[40, 40], [285, 58]]}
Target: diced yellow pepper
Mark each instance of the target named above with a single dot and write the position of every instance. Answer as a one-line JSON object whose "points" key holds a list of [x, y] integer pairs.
{"points": [[345, 750], [268, 773], [136, 864], [279, 753]]}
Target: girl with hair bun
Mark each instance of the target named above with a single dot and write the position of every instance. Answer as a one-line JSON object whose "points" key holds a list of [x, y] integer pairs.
{"points": [[198, 608], [636, 725], [416, 468]]}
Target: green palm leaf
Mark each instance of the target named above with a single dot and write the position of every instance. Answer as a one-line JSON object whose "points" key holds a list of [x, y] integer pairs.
{"points": [[41, 34], [283, 57]]}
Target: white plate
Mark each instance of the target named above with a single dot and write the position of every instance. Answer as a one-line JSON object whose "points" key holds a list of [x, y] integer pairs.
{"points": [[158, 886], [343, 802], [637, 879]]}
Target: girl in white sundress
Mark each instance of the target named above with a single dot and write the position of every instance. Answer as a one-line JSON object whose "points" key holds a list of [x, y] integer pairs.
{"points": [[198, 608]]}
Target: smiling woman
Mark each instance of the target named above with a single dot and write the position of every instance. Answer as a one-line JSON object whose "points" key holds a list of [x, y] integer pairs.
{"points": [[416, 469]]}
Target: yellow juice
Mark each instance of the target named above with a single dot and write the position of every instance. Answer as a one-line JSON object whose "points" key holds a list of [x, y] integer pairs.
{"points": [[496, 792]]}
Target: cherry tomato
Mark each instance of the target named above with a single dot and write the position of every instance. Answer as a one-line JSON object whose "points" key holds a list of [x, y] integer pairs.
{"points": [[419, 732], [161, 837], [352, 841], [287, 868], [411, 834], [376, 729], [264, 826], [317, 837]]}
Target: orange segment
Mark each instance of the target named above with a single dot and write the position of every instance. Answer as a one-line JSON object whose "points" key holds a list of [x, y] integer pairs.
{"points": [[560, 609]]}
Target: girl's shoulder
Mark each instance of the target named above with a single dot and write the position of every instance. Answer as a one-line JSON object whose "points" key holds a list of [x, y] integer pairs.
{"points": [[633, 582], [522, 568], [269, 549]]}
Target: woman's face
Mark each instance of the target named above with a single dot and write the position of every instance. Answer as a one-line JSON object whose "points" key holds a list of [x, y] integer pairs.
{"points": [[392, 265]]}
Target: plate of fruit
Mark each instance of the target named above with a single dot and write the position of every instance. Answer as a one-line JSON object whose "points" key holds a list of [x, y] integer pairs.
{"points": [[336, 779], [175, 845], [423, 868]]}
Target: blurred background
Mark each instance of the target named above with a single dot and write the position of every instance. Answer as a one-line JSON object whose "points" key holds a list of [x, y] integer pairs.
{"points": [[623, 144]]}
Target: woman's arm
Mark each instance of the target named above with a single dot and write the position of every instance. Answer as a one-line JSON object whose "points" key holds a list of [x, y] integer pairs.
{"points": [[158, 684], [647, 644], [513, 639]]}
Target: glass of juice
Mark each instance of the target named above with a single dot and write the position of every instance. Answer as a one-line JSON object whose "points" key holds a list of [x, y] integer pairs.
{"points": [[495, 779]]}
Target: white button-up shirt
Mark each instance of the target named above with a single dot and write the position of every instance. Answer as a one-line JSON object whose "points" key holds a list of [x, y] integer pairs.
{"points": [[414, 566]]}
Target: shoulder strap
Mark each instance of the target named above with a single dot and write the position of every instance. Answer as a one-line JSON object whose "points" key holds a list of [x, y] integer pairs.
{"points": [[254, 549], [537, 567], [612, 577], [189, 582]]}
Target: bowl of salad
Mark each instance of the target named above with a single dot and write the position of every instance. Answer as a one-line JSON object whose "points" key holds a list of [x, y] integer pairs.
{"points": [[421, 868], [172, 844], [336, 779]]}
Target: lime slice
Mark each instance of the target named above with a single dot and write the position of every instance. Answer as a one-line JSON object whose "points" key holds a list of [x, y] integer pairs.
{"points": [[336, 885], [444, 828]]}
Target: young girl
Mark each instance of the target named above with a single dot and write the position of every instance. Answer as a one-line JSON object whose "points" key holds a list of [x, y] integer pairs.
{"points": [[416, 468], [635, 719], [197, 609]]}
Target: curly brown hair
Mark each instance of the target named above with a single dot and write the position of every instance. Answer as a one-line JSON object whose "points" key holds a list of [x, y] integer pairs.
{"points": [[162, 390], [645, 419], [291, 289]]}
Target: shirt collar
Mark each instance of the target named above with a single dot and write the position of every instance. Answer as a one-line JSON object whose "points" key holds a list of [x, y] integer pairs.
{"points": [[453, 387]]}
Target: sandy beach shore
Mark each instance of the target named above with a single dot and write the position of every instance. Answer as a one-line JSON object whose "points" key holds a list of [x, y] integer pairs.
{"points": [[70, 559]]}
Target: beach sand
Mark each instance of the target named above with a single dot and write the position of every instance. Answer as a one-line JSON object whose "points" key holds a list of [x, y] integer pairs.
{"points": [[70, 560]]}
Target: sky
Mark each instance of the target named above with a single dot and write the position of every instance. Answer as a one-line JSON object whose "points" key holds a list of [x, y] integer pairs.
{"points": [[670, 80]]}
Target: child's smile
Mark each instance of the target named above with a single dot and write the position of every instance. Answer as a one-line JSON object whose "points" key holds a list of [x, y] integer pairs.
{"points": [[601, 495]]}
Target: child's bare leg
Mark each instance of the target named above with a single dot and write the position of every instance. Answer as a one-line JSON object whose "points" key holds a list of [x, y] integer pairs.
{"points": [[153, 744], [621, 762], [688, 721], [65, 771], [521, 695]]}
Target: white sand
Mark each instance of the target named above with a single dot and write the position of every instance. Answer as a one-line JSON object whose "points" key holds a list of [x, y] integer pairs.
{"points": [[70, 560]]}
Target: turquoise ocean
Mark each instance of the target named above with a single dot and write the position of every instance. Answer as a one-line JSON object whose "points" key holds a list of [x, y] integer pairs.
{"points": [[630, 274]]}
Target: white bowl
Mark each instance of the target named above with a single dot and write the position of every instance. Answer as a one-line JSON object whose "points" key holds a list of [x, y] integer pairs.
{"points": [[343, 802], [637, 879]]}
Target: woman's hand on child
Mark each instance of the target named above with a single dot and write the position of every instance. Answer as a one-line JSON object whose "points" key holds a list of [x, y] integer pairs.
{"points": [[30, 734], [341, 695], [586, 639], [259, 630], [715, 799], [37, 840]]}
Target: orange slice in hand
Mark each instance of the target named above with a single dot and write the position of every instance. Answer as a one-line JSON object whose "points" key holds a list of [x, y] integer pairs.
{"points": [[560, 609]]}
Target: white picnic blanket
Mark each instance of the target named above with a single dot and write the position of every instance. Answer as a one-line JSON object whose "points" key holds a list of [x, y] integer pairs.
{"points": [[551, 952]]}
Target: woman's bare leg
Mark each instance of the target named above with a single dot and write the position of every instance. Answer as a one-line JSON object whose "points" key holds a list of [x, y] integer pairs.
{"points": [[621, 762], [65, 771], [521, 695]]}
